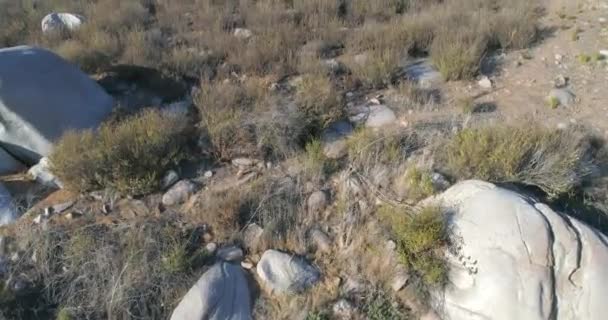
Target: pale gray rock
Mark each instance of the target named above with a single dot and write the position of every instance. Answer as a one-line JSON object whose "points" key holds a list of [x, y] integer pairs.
{"points": [[41, 97], [41, 172], [343, 309], [320, 239], [565, 97], [8, 164], [379, 116], [334, 139], [423, 73], [8, 212], [286, 273], [61, 22], [178, 193], [251, 235], [317, 202], [221, 293], [485, 82], [243, 33], [537, 263]]}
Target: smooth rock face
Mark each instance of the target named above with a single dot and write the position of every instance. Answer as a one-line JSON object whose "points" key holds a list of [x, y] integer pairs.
{"points": [[334, 139], [8, 212], [58, 22], [8, 164], [42, 96], [423, 72], [221, 293], [519, 259], [286, 273], [179, 193], [380, 115]]}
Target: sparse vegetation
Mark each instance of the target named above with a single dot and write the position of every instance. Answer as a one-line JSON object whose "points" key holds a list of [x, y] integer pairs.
{"points": [[420, 238], [419, 184], [129, 157], [553, 102], [380, 307], [554, 160], [467, 105], [584, 58]]}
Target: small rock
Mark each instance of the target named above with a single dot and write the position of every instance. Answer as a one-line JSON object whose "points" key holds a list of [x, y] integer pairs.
{"points": [[399, 280], [317, 202], [61, 207], [485, 82], [247, 264], [230, 254], [286, 273], [334, 139], [560, 81], [321, 240], [343, 309], [106, 209], [379, 116], [439, 181], [604, 53], [170, 178], [179, 193], [208, 174], [72, 215], [243, 162], [374, 101], [564, 96], [243, 33], [558, 58], [211, 247], [252, 235], [38, 219], [391, 245]]}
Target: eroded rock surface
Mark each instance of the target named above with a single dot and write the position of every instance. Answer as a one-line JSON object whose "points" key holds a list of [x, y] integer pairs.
{"points": [[519, 259]]}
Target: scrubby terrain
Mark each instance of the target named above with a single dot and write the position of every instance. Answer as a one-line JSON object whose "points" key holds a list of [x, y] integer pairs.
{"points": [[324, 131]]}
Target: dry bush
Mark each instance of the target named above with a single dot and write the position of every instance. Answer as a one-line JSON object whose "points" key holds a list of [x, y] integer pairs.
{"points": [[367, 149], [103, 272], [516, 25], [129, 157], [557, 161], [318, 100]]}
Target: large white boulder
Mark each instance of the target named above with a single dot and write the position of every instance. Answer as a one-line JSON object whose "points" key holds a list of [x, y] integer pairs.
{"points": [[42, 96], [221, 293], [60, 22], [286, 273], [519, 259], [8, 212]]}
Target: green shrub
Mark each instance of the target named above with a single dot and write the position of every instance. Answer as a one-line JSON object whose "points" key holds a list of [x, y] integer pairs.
{"points": [[553, 160], [129, 157], [584, 58], [64, 314], [421, 237], [318, 100], [419, 184], [367, 148], [553, 102], [380, 307]]}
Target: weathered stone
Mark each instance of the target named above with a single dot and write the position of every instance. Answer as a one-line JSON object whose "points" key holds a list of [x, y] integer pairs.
{"points": [[211, 247], [423, 73], [61, 22], [334, 139], [41, 97], [379, 116], [538, 263], [252, 235], [485, 82], [320, 239], [565, 97], [179, 193], [286, 273], [242, 33], [317, 202], [343, 309], [221, 293]]}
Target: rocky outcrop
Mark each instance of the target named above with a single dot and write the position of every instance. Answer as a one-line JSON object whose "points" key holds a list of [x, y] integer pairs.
{"points": [[519, 259], [42, 96], [221, 293], [286, 273]]}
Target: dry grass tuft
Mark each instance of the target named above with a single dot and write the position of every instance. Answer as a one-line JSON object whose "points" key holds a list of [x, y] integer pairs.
{"points": [[129, 157]]}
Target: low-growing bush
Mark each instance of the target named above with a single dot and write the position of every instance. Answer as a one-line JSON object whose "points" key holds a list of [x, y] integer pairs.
{"points": [[421, 238], [318, 100], [101, 271], [419, 183], [129, 157], [367, 148], [457, 51], [554, 160]]}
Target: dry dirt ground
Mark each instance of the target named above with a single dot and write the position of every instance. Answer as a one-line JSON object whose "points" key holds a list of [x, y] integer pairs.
{"points": [[523, 79]]}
